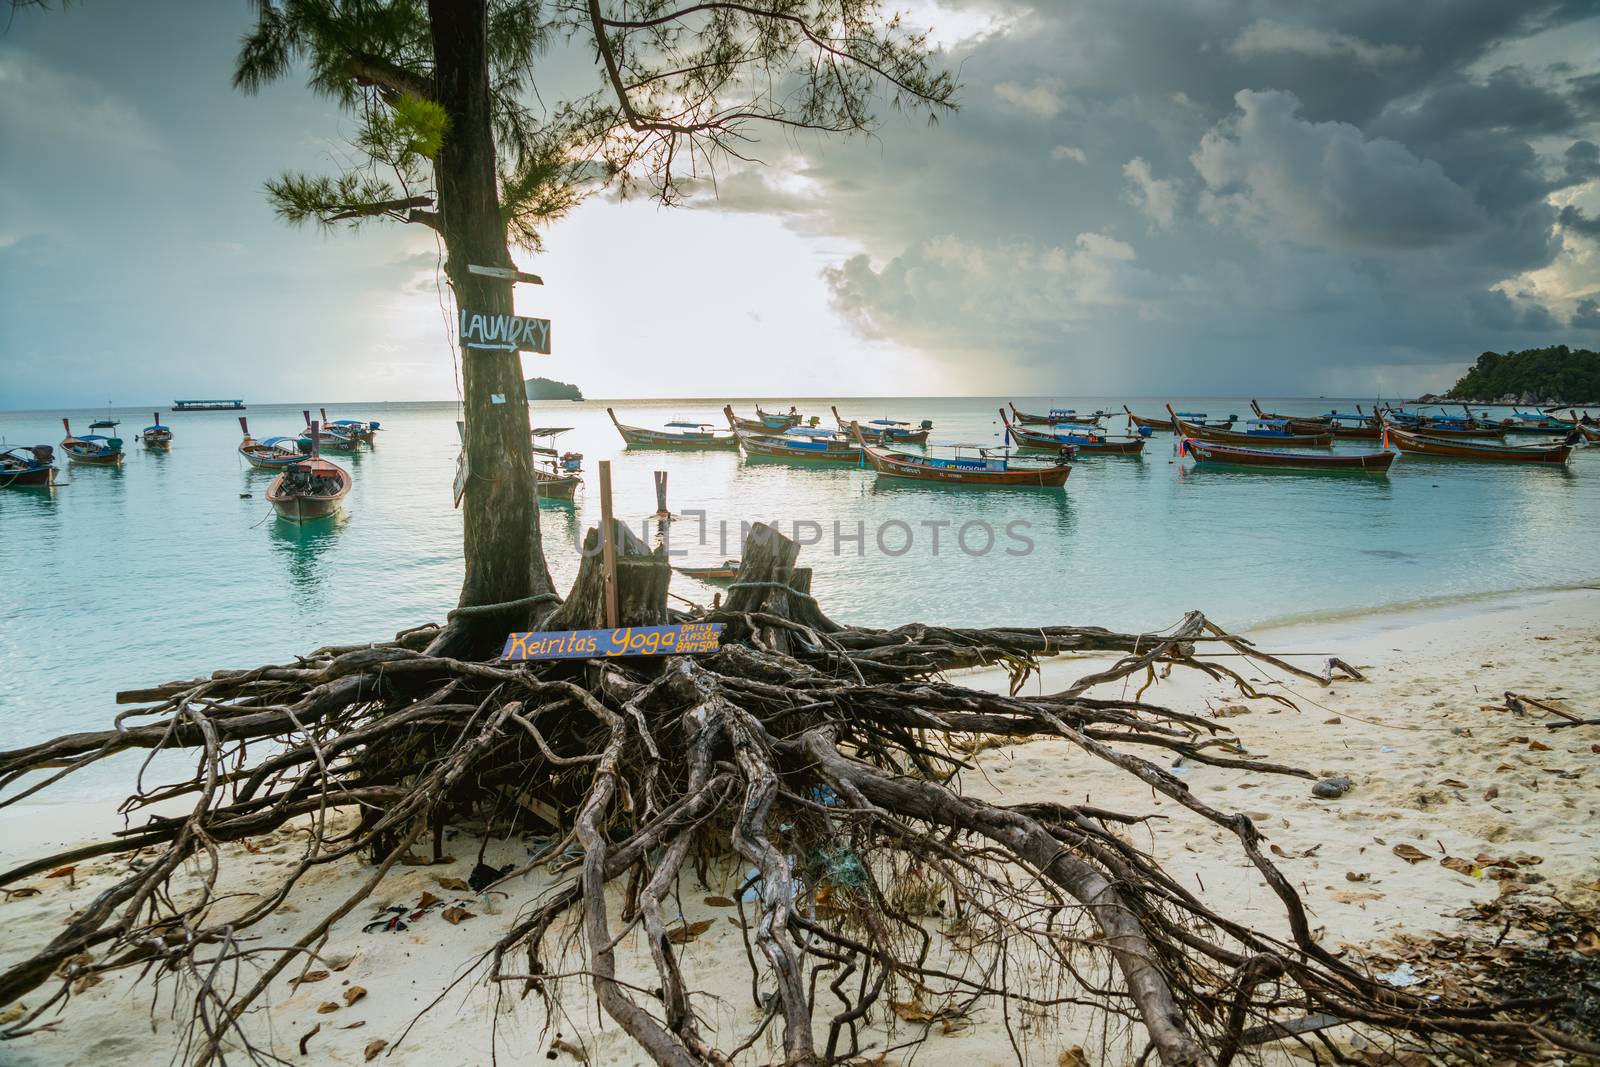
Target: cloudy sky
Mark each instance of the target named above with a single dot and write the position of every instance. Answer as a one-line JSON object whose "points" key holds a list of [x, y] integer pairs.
{"points": [[1136, 197]]}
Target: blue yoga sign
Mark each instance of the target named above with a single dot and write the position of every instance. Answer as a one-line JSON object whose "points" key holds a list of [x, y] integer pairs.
{"points": [[688, 639]]}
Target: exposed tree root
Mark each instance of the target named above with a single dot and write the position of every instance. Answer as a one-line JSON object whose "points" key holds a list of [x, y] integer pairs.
{"points": [[825, 758]]}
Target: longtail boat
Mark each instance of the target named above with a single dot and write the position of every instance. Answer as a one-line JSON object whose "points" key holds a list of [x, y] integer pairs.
{"points": [[885, 431], [1423, 444], [91, 448], [324, 437], [363, 431], [1206, 453], [692, 437], [987, 469], [1056, 416], [1195, 418], [1266, 432], [156, 436], [312, 488], [764, 422], [274, 453], [1300, 424], [1083, 438], [799, 444], [1140, 422], [28, 466], [726, 571], [1527, 423], [772, 420], [555, 477], [1360, 425], [1438, 425], [1587, 427]]}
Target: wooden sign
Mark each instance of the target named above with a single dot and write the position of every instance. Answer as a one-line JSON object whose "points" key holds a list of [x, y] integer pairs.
{"points": [[505, 274], [506, 333], [688, 639]]}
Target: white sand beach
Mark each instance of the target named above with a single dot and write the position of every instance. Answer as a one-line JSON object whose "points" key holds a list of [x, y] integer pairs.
{"points": [[1432, 767]]}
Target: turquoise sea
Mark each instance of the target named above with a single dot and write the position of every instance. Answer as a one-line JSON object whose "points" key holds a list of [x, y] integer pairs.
{"points": [[174, 565]]}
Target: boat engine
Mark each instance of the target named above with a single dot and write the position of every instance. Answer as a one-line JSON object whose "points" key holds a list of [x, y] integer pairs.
{"points": [[927, 424], [43, 453]]}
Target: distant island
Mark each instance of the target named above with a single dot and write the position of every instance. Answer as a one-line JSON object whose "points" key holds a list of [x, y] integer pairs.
{"points": [[1557, 375], [549, 389]]}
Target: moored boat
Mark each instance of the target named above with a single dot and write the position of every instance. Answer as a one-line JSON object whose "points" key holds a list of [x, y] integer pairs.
{"points": [[1083, 438], [1423, 444], [990, 467], [1206, 453], [364, 431], [1586, 426], [884, 431], [1438, 425], [1056, 416], [274, 453], [1265, 432], [1195, 418], [208, 405], [1296, 424], [326, 438], [555, 477], [28, 466], [1360, 426], [797, 444], [311, 488], [91, 448], [156, 436], [726, 571], [688, 437]]}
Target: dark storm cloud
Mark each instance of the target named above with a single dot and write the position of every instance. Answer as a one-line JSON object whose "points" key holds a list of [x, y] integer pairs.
{"points": [[1301, 193], [1573, 219]]}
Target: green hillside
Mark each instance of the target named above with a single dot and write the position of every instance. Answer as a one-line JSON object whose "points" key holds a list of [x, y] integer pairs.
{"points": [[1555, 375], [550, 389]]}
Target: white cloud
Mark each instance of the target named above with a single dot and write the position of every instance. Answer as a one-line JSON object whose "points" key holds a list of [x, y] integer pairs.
{"points": [[41, 99], [1067, 151], [1265, 36], [952, 294], [1156, 198], [1269, 170], [1042, 99]]}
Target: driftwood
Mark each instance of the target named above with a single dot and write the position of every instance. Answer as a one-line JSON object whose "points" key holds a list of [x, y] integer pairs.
{"points": [[825, 757]]}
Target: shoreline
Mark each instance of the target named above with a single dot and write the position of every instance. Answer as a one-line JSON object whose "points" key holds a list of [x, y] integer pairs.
{"points": [[1432, 767], [81, 819]]}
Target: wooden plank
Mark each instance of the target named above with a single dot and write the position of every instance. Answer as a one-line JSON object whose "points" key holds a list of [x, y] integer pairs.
{"points": [[608, 546], [505, 274], [683, 639]]}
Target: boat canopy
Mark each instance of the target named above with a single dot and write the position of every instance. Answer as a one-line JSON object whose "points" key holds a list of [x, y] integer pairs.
{"points": [[808, 431], [1267, 422], [887, 422], [1062, 411], [1191, 415], [690, 425], [554, 431], [1342, 415], [157, 426], [286, 443]]}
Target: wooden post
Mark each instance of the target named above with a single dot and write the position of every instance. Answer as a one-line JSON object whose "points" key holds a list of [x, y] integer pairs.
{"points": [[661, 496], [608, 544]]}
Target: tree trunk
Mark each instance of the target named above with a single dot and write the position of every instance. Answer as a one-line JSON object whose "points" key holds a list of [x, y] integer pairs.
{"points": [[504, 555]]}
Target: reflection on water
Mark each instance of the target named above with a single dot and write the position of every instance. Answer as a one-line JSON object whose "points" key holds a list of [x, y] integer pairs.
{"points": [[303, 546]]}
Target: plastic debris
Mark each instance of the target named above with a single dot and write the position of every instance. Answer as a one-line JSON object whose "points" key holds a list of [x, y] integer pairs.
{"points": [[1402, 977]]}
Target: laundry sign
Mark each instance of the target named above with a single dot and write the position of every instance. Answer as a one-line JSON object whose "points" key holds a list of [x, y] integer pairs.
{"points": [[505, 333]]}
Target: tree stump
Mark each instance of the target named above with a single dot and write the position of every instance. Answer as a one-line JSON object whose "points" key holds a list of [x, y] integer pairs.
{"points": [[642, 579]]}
